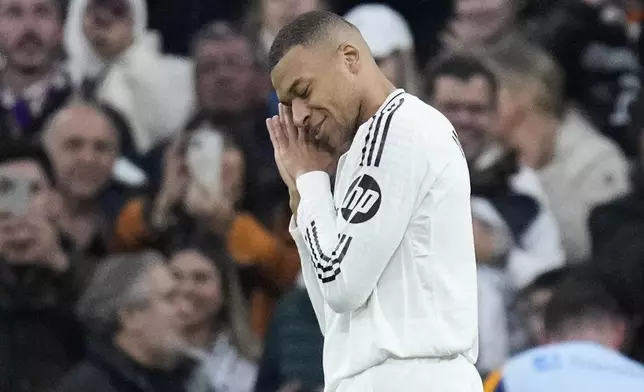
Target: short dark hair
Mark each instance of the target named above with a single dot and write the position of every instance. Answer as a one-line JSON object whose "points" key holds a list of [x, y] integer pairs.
{"points": [[460, 66], [305, 30], [221, 30], [546, 281], [22, 150], [579, 300]]}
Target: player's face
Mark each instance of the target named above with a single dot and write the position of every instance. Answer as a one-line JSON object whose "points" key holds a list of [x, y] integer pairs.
{"points": [[319, 86], [470, 107]]}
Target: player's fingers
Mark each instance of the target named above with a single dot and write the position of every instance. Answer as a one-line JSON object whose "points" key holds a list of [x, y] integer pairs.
{"points": [[269, 126], [282, 122], [281, 141], [302, 138], [273, 133], [291, 129]]}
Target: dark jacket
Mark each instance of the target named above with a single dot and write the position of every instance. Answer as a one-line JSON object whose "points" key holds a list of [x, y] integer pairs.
{"points": [[617, 231], [108, 369], [40, 338], [602, 65], [293, 346], [11, 128]]}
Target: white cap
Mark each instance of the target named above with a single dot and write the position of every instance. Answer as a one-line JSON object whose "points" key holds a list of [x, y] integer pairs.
{"points": [[384, 29]]}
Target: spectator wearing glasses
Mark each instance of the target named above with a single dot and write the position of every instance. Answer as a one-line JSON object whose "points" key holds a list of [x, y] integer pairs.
{"points": [[33, 85], [41, 276]]}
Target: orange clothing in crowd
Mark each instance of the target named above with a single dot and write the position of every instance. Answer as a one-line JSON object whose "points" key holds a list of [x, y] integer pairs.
{"points": [[249, 244]]}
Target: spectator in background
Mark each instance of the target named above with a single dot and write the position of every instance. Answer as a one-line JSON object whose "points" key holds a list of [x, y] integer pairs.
{"points": [[231, 99], [40, 277], [578, 167], [83, 145], [115, 59], [602, 70], [217, 321], [178, 21], [480, 22], [531, 303], [264, 20], [269, 264], [388, 35], [586, 329], [466, 91], [32, 84], [589, 38], [133, 313], [266, 17], [292, 358], [231, 88], [516, 235]]}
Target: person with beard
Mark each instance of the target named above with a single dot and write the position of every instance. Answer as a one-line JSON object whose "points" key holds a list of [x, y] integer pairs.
{"points": [[32, 84]]}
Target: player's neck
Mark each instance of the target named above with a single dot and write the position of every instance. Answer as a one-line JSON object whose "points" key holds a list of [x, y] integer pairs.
{"points": [[375, 95]]}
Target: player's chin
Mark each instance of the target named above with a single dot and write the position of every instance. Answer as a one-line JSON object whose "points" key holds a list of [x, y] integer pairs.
{"points": [[324, 143]]}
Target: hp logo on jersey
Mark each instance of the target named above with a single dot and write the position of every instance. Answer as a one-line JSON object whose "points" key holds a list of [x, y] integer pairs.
{"points": [[362, 200]]}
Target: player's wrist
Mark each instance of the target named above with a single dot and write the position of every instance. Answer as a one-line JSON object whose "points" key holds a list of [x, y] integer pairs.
{"points": [[313, 184]]}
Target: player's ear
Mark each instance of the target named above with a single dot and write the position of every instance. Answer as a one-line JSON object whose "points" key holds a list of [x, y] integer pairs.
{"points": [[351, 56]]}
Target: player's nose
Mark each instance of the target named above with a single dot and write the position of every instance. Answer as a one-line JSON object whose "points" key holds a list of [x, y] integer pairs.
{"points": [[301, 113]]}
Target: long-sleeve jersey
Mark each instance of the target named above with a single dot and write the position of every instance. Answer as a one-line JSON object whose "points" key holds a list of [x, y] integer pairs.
{"points": [[388, 258]]}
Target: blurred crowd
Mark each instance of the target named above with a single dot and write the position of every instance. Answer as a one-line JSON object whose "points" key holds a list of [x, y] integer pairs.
{"points": [[143, 223]]}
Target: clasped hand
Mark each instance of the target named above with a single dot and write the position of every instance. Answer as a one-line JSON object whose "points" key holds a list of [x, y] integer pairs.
{"points": [[296, 151]]}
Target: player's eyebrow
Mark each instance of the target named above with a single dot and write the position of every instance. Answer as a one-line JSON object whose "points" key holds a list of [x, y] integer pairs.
{"points": [[290, 92]]}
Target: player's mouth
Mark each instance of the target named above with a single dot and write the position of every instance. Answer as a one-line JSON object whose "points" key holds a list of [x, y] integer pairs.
{"points": [[317, 131]]}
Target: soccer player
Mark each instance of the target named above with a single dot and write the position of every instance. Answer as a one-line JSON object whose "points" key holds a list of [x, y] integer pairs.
{"points": [[387, 251], [586, 329]]}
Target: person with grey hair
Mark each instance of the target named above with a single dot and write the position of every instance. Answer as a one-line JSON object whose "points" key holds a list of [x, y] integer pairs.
{"points": [[133, 314]]}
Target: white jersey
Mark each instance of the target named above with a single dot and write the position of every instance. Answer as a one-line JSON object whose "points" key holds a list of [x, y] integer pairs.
{"points": [[388, 259]]}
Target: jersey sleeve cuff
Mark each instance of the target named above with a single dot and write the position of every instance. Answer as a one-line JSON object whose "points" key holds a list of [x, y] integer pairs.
{"points": [[313, 185], [292, 227]]}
